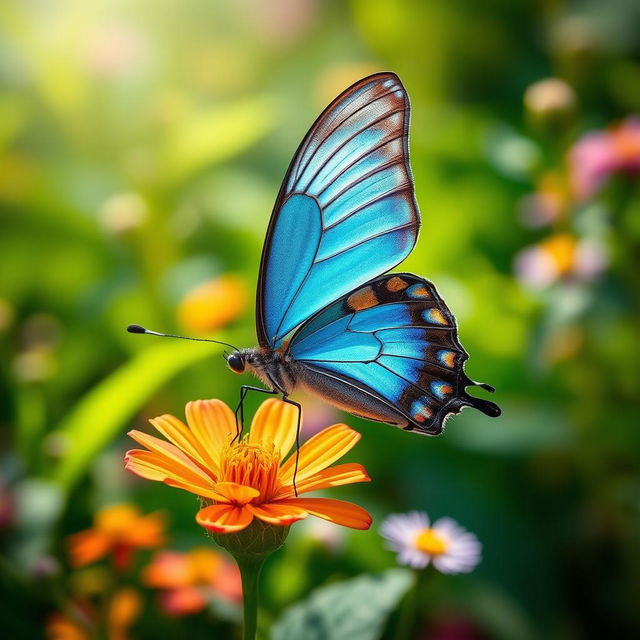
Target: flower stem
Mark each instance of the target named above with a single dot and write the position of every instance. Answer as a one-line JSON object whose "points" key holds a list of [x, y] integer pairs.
{"points": [[250, 566], [410, 608]]}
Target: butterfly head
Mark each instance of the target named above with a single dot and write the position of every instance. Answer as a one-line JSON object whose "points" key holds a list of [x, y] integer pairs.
{"points": [[236, 362]]}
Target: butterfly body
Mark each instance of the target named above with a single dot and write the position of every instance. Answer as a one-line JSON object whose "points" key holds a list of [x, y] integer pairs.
{"points": [[329, 317]]}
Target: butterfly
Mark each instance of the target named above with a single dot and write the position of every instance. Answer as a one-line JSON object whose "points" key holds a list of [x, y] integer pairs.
{"points": [[330, 318]]}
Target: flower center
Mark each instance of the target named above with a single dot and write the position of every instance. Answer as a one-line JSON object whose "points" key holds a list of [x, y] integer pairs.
{"points": [[431, 542], [251, 465]]}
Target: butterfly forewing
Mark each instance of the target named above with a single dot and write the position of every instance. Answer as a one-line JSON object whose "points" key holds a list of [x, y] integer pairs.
{"points": [[395, 341], [346, 211]]}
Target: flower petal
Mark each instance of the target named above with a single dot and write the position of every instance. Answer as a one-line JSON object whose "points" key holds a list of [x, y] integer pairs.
{"points": [[346, 514], [319, 452], [275, 423], [88, 546], [224, 518], [347, 473], [175, 458], [180, 435], [154, 466], [237, 493], [213, 424], [278, 514], [148, 531]]}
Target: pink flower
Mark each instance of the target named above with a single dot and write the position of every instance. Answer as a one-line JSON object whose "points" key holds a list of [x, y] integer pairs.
{"points": [[560, 256], [189, 580], [599, 154]]}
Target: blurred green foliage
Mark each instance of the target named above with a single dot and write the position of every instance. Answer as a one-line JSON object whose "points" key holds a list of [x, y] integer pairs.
{"points": [[142, 145]]}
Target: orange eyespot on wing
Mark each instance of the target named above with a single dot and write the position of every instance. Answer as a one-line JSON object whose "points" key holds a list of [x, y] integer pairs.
{"points": [[396, 284], [434, 316], [363, 299]]}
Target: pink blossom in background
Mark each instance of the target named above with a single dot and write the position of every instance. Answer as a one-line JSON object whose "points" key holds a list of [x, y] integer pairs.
{"points": [[560, 256], [189, 580], [599, 154]]}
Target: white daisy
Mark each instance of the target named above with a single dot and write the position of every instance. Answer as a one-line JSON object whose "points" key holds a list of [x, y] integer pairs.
{"points": [[447, 545]]}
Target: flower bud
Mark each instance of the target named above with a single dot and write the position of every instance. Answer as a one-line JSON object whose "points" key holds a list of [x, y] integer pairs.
{"points": [[550, 103]]}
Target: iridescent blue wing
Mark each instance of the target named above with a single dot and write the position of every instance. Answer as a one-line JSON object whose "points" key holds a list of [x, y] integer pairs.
{"points": [[389, 351], [346, 211]]}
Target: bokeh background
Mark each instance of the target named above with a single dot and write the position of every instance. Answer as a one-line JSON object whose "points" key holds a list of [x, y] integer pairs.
{"points": [[142, 145]]}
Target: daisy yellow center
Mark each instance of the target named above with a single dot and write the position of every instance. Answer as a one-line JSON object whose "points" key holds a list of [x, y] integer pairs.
{"points": [[431, 542], [251, 465]]}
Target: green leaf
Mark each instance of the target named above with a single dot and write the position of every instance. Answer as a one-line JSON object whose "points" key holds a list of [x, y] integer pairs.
{"points": [[215, 135], [356, 609], [107, 408]]}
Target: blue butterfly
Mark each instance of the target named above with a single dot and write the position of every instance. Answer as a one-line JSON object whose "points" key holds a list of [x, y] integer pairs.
{"points": [[382, 347]]}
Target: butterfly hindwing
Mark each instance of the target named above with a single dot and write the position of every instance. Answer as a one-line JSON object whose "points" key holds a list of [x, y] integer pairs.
{"points": [[346, 211], [393, 342]]}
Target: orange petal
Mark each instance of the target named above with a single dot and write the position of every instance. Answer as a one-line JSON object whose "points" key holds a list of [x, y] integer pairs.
{"points": [[224, 518], [337, 511], [275, 423], [319, 452], [181, 436], [154, 466], [124, 610], [182, 601], [168, 569], [87, 547], [148, 531], [213, 425], [347, 473], [279, 514], [175, 458], [237, 493]]}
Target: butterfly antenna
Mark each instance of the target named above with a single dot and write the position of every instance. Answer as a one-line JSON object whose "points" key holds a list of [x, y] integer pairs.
{"points": [[136, 328]]}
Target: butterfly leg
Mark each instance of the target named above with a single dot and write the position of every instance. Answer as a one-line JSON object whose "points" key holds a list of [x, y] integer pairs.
{"points": [[244, 389], [285, 398]]}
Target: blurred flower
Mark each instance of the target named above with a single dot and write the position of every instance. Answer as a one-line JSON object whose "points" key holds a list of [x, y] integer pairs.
{"points": [[44, 567], [280, 21], [189, 580], [213, 304], [560, 256], [326, 535], [123, 212], [600, 154], [317, 414], [547, 204], [121, 612], [449, 547], [246, 479], [60, 627], [115, 49], [117, 530], [35, 364], [124, 610], [550, 101]]}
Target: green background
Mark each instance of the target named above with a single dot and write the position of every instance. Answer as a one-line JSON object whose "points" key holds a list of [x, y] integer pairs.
{"points": [[182, 117]]}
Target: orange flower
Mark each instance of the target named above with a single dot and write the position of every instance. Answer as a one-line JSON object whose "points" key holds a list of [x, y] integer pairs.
{"points": [[118, 529], [60, 627], [83, 619], [213, 304], [189, 579], [248, 479]]}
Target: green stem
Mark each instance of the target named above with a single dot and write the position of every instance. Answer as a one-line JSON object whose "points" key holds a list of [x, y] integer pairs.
{"points": [[250, 567], [410, 606]]}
